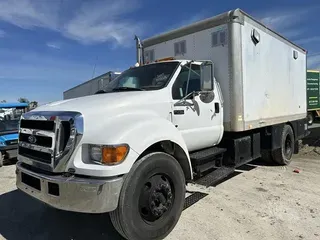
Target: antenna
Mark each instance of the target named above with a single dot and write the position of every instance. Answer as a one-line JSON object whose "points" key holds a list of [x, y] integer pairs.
{"points": [[94, 67]]}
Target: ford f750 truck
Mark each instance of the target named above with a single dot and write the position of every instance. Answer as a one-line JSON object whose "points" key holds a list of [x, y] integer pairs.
{"points": [[200, 101]]}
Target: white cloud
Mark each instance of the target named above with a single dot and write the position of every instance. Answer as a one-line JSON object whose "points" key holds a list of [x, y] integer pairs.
{"points": [[29, 14], [286, 21], [308, 40], [102, 22], [87, 22], [53, 45]]}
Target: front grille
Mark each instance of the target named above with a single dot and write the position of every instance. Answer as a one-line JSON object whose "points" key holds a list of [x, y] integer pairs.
{"points": [[40, 140], [46, 142], [34, 154], [37, 124]]}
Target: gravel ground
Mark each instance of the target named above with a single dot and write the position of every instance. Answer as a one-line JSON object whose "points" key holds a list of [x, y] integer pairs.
{"points": [[258, 202]]}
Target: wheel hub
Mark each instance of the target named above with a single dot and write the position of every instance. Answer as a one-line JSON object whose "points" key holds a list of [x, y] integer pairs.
{"points": [[156, 198], [288, 147], [161, 199]]}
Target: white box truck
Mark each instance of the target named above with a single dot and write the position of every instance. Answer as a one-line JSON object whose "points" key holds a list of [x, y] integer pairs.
{"points": [[93, 86], [201, 101]]}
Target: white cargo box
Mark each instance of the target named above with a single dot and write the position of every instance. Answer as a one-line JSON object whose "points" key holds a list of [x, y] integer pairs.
{"points": [[262, 74]]}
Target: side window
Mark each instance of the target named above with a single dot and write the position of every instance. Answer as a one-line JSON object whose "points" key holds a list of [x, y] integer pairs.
{"points": [[180, 48], [149, 55], [179, 88], [219, 38]]}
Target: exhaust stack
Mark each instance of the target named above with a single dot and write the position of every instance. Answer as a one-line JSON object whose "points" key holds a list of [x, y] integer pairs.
{"points": [[139, 49]]}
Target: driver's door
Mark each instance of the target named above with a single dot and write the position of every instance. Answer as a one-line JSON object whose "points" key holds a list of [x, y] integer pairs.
{"points": [[200, 123]]}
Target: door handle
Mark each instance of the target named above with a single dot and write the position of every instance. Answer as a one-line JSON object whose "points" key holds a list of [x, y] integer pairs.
{"points": [[216, 107]]}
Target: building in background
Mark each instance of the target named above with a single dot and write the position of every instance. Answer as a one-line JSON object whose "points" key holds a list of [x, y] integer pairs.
{"points": [[92, 86]]}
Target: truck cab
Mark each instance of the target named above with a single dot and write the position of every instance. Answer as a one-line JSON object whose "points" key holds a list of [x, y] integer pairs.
{"points": [[10, 114]]}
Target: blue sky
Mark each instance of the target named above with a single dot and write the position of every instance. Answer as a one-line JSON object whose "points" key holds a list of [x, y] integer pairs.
{"points": [[49, 46]]}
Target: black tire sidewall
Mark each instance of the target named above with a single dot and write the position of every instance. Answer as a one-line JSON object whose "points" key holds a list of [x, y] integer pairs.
{"points": [[287, 130], [131, 221], [310, 118]]}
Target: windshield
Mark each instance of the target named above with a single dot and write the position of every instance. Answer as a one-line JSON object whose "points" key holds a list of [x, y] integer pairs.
{"points": [[148, 77], [9, 119]]}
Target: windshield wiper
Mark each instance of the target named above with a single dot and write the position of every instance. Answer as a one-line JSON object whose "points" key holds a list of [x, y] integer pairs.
{"points": [[127, 89]]}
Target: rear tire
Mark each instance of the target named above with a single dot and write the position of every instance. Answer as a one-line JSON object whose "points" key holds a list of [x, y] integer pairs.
{"points": [[310, 118], [151, 198], [283, 155]]}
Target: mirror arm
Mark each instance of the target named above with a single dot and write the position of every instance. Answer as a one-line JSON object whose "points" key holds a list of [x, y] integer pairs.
{"points": [[194, 93], [188, 79]]}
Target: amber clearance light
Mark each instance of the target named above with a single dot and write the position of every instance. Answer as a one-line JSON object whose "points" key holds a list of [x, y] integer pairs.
{"points": [[114, 154]]}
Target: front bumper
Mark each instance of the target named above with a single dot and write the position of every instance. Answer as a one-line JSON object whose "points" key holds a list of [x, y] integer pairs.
{"points": [[70, 193]]}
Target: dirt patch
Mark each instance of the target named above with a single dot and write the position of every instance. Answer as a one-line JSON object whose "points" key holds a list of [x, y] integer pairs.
{"points": [[310, 146]]}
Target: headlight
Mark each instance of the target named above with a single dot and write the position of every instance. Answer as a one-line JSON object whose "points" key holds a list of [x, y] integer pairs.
{"points": [[2, 144], [108, 154], [95, 153]]}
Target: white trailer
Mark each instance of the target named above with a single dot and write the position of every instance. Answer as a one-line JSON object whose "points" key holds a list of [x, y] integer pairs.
{"points": [[91, 87], [225, 91]]}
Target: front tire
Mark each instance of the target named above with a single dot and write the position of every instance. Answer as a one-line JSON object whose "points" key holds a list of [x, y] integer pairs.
{"points": [[151, 198], [283, 156]]}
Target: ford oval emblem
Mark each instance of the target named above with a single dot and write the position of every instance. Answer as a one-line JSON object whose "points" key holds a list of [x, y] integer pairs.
{"points": [[32, 139]]}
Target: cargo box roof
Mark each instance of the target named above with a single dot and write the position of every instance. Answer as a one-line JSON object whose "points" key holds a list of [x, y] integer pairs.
{"points": [[233, 15]]}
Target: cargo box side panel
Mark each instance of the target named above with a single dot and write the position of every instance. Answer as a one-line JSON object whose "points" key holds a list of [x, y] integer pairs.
{"points": [[313, 90], [210, 44], [80, 91], [274, 82]]}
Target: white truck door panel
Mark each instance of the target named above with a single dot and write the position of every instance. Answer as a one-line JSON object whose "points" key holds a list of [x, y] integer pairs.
{"points": [[197, 121]]}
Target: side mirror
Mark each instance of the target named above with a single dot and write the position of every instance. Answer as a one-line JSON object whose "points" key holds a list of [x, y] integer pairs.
{"points": [[207, 76]]}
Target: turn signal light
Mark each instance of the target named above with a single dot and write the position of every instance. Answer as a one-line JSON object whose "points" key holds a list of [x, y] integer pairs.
{"points": [[114, 154]]}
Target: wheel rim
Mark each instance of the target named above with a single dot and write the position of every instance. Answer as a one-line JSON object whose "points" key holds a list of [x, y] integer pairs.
{"points": [[156, 198], [288, 147]]}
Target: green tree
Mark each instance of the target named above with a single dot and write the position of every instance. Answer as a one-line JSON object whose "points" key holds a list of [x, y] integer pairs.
{"points": [[33, 104], [23, 100]]}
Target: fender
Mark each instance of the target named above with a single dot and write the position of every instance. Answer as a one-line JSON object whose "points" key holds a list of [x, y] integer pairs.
{"points": [[139, 130], [142, 134]]}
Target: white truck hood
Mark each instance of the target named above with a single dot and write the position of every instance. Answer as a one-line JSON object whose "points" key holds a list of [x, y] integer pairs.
{"points": [[104, 103]]}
